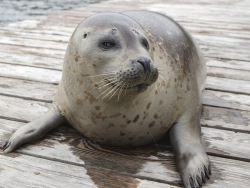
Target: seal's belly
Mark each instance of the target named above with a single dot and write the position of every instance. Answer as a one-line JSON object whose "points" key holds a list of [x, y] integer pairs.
{"points": [[113, 133], [128, 129]]}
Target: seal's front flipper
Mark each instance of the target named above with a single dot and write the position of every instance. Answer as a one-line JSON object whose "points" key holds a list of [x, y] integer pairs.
{"points": [[34, 130], [191, 159]]}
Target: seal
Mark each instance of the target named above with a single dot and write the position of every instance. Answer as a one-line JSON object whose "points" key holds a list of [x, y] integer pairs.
{"points": [[127, 79]]}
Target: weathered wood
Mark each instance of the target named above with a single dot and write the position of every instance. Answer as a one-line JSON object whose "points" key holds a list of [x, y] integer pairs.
{"points": [[144, 162], [27, 89], [223, 118], [227, 100], [15, 168], [29, 73], [35, 43], [227, 63], [21, 109], [228, 85], [228, 73]]}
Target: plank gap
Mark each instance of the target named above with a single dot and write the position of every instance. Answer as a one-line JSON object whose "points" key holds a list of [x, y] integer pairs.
{"points": [[26, 98], [23, 65], [228, 157], [226, 129]]}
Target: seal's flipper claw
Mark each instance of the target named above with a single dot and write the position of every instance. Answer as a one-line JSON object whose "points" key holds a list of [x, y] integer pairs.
{"points": [[191, 181], [34, 130], [199, 180], [206, 172], [6, 145], [209, 169], [203, 177]]}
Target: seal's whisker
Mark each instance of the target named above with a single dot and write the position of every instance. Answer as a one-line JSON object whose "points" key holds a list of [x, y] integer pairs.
{"points": [[107, 74], [106, 90], [121, 90], [102, 86], [110, 92], [153, 89], [116, 83], [153, 139], [106, 80], [116, 90], [161, 72], [160, 84]]}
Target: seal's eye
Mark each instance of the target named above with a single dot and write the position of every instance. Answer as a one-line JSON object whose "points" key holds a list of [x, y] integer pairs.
{"points": [[106, 45], [145, 43]]}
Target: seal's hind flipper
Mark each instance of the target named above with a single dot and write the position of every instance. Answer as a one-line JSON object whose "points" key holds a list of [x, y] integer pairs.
{"points": [[34, 130]]}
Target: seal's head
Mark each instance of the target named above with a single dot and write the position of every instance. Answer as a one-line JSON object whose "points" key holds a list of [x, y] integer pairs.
{"points": [[116, 54]]}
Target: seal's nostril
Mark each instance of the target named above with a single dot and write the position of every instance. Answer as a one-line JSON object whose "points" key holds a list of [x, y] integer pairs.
{"points": [[145, 63]]}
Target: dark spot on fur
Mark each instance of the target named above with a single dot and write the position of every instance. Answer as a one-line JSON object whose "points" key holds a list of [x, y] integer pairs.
{"points": [[149, 104], [97, 107], [153, 48], [122, 134], [131, 138], [188, 87], [123, 116], [179, 97], [79, 81], [156, 92], [79, 102], [85, 35], [155, 116], [160, 102], [136, 118], [151, 124], [77, 57], [129, 121], [111, 125], [160, 57]]}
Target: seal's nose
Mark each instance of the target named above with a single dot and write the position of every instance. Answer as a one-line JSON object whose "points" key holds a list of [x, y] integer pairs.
{"points": [[145, 62]]}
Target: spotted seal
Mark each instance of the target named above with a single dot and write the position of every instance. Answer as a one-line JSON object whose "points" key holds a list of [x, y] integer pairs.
{"points": [[127, 79]]}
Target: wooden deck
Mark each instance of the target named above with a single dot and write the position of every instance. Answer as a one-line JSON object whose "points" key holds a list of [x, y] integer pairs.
{"points": [[31, 55]]}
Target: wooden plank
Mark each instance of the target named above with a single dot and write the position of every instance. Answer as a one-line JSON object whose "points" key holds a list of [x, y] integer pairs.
{"points": [[35, 43], [227, 143], [223, 118], [226, 100], [21, 109], [27, 89], [228, 63], [228, 85], [15, 168], [228, 73], [145, 162], [32, 60], [22, 34], [30, 73]]}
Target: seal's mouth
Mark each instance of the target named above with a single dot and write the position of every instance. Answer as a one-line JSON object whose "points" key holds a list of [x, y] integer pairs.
{"points": [[141, 87], [129, 86]]}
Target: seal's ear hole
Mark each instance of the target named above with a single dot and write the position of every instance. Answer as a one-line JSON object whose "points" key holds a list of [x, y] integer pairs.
{"points": [[85, 35]]}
